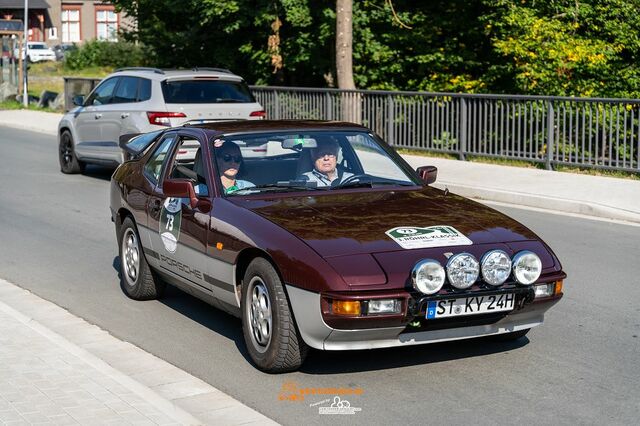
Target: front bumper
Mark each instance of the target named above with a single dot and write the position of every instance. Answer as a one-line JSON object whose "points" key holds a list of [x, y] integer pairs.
{"points": [[317, 334]]}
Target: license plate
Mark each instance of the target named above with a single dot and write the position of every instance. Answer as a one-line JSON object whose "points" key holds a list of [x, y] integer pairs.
{"points": [[470, 305]]}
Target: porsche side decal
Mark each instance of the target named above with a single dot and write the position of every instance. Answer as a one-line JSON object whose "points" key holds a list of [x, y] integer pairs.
{"points": [[170, 221]]}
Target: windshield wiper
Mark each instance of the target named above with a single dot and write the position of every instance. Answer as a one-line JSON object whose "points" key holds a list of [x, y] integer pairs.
{"points": [[285, 185], [371, 184], [229, 100]]}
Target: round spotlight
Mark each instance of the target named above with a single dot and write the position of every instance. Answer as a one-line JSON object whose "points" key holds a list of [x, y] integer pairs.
{"points": [[428, 276], [463, 270], [526, 267], [496, 267]]}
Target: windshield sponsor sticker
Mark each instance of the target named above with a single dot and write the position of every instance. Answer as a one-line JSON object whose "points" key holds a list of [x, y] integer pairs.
{"points": [[410, 237], [170, 221]]}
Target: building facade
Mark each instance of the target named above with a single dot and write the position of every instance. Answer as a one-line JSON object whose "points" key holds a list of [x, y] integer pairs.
{"points": [[66, 21]]}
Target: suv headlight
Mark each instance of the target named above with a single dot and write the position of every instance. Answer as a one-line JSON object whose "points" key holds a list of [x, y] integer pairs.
{"points": [[463, 270], [496, 267], [526, 267], [428, 276]]}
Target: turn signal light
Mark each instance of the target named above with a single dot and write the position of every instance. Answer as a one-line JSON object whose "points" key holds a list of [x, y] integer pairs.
{"points": [[162, 118], [558, 289], [346, 307]]}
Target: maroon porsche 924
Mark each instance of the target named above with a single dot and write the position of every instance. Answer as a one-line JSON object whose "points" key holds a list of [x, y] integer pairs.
{"points": [[318, 234]]}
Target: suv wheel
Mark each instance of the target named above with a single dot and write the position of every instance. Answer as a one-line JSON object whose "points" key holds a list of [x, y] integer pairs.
{"points": [[69, 163]]}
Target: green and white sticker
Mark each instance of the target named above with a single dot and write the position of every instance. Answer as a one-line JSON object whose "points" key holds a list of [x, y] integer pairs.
{"points": [[170, 221], [410, 237]]}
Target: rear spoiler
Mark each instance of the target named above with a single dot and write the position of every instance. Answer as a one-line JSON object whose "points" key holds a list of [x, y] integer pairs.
{"points": [[135, 144]]}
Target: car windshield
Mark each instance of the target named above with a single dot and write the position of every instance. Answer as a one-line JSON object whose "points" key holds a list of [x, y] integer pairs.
{"points": [[37, 46], [305, 161]]}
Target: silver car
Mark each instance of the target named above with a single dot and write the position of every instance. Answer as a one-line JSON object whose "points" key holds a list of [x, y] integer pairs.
{"points": [[140, 100]]}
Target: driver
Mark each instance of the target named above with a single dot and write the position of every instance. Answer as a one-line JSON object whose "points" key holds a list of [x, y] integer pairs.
{"points": [[325, 160], [229, 160]]}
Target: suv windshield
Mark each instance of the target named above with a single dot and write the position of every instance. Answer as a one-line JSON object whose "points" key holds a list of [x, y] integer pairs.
{"points": [[206, 92], [303, 161]]}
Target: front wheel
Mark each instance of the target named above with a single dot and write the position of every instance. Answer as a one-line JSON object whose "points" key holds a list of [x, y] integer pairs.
{"points": [[270, 332], [136, 278], [69, 163]]}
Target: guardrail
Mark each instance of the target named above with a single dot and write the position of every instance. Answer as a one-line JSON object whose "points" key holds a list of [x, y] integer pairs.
{"points": [[587, 132]]}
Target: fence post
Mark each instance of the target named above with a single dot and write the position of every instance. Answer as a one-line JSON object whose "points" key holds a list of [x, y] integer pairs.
{"points": [[276, 106], [463, 129], [390, 120], [550, 125], [327, 106]]}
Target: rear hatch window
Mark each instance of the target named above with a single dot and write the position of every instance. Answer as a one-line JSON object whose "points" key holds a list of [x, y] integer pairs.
{"points": [[206, 92]]}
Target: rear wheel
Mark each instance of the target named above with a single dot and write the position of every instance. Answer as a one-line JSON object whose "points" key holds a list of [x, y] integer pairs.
{"points": [[136, 278], [69, 163], [269, 329]]}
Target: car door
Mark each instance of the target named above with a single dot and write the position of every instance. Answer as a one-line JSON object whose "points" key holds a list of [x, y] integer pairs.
{"points": [[179, 231], [90, 118]]}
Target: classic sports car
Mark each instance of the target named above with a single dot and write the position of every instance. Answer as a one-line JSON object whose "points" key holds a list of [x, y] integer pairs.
{"points": [[327, 239]]}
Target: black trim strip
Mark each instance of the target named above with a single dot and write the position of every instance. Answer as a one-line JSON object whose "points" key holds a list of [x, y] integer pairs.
{"points": [[100, 143], [217, 283], [152, 253]]}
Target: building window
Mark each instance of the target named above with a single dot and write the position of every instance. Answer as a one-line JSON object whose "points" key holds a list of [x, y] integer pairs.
{"points": [[70, 24], [106, 23]]}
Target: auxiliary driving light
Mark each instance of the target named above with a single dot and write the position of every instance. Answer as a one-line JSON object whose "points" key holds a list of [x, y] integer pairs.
{"points": [[384, 306], [463, 270], [526, 267], [428, 276], [496, 267]]}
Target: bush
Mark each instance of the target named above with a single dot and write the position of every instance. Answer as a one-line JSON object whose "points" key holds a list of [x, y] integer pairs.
{"points": [[105, 54]]}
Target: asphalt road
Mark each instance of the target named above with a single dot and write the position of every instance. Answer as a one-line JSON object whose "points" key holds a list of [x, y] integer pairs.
{"points": [[580, 367]]}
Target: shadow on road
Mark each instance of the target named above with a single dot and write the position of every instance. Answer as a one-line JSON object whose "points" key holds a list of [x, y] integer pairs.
{"points": [[98, 172]]}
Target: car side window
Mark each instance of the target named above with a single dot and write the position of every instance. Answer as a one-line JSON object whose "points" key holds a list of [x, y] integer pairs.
{"points": [[188, 163], [153, 168], [127, 91], [103, 93], [144, 90]]}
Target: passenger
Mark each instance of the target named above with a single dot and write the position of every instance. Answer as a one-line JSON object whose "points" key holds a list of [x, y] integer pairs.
{"points": [[229, 159], [325, 160]]}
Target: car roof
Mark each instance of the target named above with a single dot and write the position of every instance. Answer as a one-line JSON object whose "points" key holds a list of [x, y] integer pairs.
{"points": [[259, 126], [166, 74]]}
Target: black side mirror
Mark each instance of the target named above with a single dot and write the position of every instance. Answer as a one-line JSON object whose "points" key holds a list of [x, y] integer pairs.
{"points": [[78, 100], [428, 173]]}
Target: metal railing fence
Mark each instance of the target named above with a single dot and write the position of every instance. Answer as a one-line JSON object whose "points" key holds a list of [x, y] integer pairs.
{"points": [[587, 132]]}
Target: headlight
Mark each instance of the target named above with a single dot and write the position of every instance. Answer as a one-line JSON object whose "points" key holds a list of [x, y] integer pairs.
{"points": [[526, 267], [496, 267], [428, 276], [463, 270]]}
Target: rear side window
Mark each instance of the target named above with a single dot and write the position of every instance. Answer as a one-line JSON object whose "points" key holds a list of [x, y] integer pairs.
{"points": [[144, 90], [206, 92]]}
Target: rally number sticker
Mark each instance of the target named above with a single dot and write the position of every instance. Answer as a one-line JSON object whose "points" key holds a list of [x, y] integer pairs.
{"points": [[410, 237], [170, 221]]}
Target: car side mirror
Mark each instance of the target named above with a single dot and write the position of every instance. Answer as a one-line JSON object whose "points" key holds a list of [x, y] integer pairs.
{"points": [[78, 100], [428, 174], [180, 188]]}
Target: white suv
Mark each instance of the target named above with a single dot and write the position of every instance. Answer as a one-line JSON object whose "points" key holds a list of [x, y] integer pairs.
{"points": [[140, 100], [37, 52]]}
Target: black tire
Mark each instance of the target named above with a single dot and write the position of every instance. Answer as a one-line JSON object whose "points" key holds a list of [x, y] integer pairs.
{"points": [[136, 277], [509, 337], [69, 163], [280, 348]]}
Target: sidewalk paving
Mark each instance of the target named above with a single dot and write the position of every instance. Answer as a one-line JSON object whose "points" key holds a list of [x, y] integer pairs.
{"points": [[70, 372], [596, 196]]}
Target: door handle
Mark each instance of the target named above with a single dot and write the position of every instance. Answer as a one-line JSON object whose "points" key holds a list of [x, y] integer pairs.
{"points": [[98, 116], [124, 115]]}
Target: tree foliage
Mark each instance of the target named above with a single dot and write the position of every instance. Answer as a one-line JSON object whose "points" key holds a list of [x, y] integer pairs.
{"points": [[553, 47]]}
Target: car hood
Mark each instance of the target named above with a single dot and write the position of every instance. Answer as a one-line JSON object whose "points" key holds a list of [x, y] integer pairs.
{"points": [[348, 223]]}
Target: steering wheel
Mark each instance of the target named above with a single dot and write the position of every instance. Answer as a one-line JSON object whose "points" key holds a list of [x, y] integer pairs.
{"points": [[354, 178]]}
